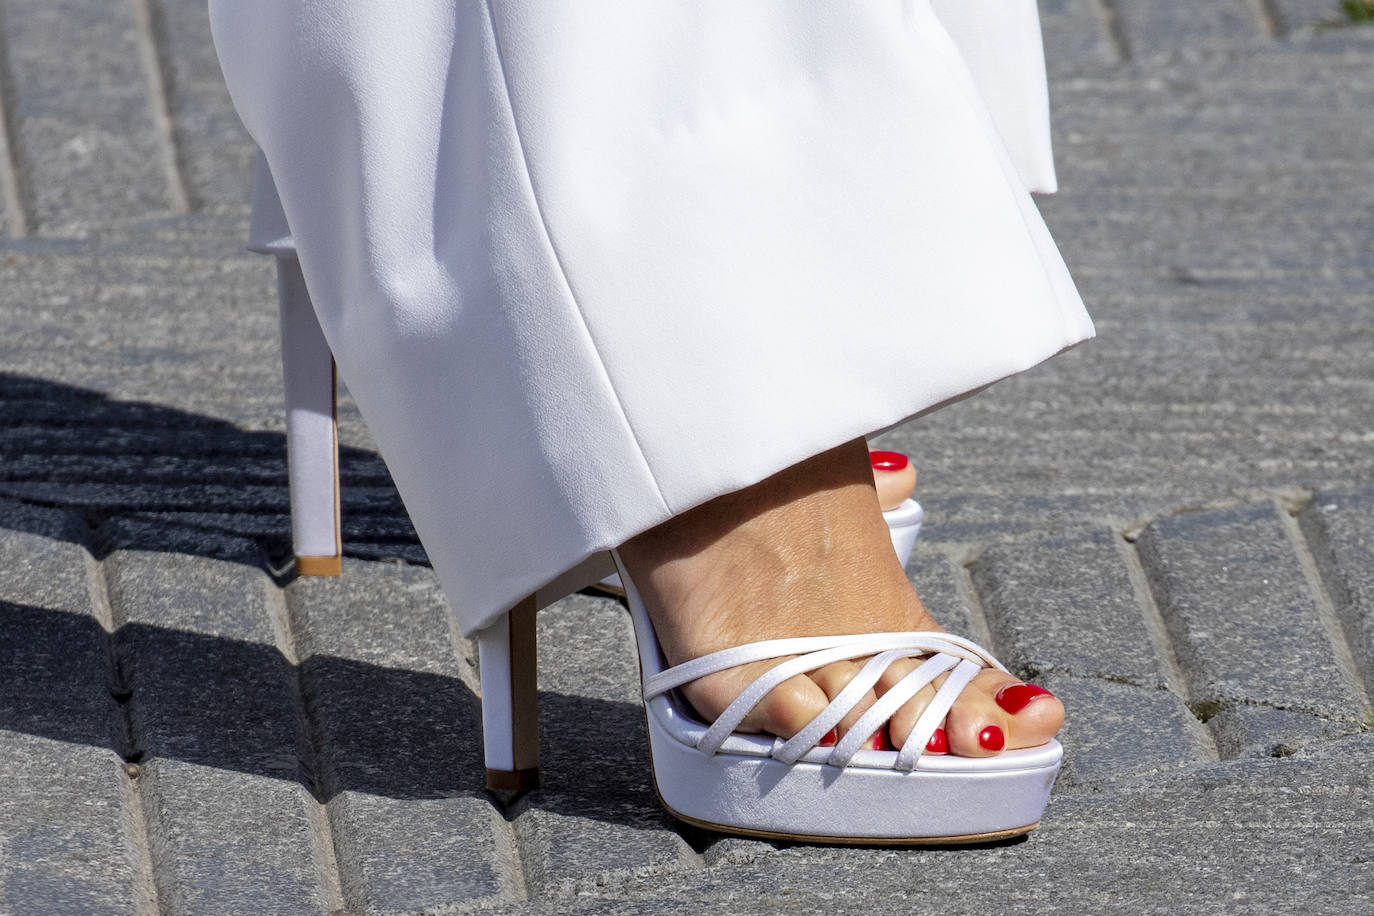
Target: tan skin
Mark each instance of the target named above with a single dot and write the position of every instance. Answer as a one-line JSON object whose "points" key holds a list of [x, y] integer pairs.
{"points": [[804, 553]]}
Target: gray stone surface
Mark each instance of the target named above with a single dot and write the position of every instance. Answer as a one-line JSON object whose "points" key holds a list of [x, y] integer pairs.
{"points": [[86, 139], [1286, 835], [215, 153], [241, 745], [63, 839], [1066, 605], [1076, 34], [215, 714], [1152, 27], [1300, 16], [396, 721], [945, 589], [1269, 732], [1340, 529], [64, 835], [1245, 627], [1114, 731]]}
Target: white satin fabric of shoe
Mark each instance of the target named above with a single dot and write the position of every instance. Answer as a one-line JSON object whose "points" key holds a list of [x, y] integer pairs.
{"points": [[586, 264]]}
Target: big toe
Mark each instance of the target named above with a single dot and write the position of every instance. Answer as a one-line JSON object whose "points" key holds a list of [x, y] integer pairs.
{"points": [[997, 712]]}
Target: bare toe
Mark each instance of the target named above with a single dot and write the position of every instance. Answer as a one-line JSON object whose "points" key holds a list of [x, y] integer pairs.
{"points": [[997, 712], [834, 678]]}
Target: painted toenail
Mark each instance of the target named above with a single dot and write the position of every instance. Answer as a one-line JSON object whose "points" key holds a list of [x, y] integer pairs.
{"points": [[1016, 697], [881, 741], [829, 740], [888, 461], [992, 739], [938, 743]]}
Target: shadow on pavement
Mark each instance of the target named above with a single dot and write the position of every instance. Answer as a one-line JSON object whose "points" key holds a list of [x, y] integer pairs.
{"points": [[73, 448], [332, 724]]}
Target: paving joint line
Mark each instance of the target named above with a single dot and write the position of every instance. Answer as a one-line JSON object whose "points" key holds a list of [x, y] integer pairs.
{"points": [[324, 845], [967, 589], [1327, 614], [1271, 19], [1116, 33], [134, 819], [159, 104], [11, 179], [136, 828], [1158, 630]]}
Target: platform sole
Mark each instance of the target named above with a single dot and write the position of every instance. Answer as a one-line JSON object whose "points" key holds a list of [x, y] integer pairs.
{"points": [[950, 800]]}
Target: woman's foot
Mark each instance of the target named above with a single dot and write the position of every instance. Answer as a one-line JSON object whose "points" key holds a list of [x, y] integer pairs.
{"points": [[807, 553]]}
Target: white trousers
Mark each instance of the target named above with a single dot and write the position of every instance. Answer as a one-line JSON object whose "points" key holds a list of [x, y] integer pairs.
{"points": [[586, 264]]}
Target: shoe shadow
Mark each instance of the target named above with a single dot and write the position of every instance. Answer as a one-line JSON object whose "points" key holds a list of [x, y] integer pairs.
{"points": [[74, 448], [331, 724], [145, 477]]}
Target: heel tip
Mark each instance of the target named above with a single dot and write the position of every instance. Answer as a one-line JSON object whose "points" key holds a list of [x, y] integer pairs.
{"points": [[513, 780], [319, 566]]}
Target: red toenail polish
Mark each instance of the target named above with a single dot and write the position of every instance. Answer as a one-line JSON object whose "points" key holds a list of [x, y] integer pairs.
{"points": [[829, 740], [992, 739], [881, 741], [888, 461], [1016, 697], [938, 743]]}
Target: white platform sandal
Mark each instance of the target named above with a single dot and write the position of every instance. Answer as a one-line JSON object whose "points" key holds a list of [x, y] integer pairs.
{"points": [[757, 785], [705, 775]]}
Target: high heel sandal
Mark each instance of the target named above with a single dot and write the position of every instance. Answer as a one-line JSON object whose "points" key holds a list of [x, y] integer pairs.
{"points": [[796, 789], [706, 775]]}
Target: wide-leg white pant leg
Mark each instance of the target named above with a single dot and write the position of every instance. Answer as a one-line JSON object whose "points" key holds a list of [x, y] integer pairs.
{"points": [[585, 265]]}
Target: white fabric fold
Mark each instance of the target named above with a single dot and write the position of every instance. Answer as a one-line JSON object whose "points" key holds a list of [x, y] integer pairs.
{"points": [[587, 264]]}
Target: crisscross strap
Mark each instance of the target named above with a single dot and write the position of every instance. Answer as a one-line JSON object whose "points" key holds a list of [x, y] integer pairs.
{"points": [[934, 713], [845, 700], [941, 651], [891, 701]]}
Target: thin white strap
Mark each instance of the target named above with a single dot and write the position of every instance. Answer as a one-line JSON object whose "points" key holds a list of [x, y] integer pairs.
{"points": [[934, 714], [888, 704], [734, 714], [922, 643], [838, 708]]}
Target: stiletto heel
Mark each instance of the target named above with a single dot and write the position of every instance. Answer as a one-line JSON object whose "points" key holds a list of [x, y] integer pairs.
{"points": [[510, 699], [312, 443]]}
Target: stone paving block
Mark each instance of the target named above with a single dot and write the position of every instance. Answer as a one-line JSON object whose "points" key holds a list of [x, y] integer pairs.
{"points": [[215, 152], [1340, 530], [1302, 15], [1113, 731], [1075, 34], [1245, 627], [595, 815], [1066, 605], [216, 715], [63, 846], [232, 842], [84, 136], [1286, 835], [940, 582], [398, 731], [1153, 27], [1262, 731], [63, 842], [54, 658]]}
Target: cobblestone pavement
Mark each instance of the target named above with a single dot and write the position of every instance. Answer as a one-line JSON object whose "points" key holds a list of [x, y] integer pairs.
{"points": [[1171, 527]]}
